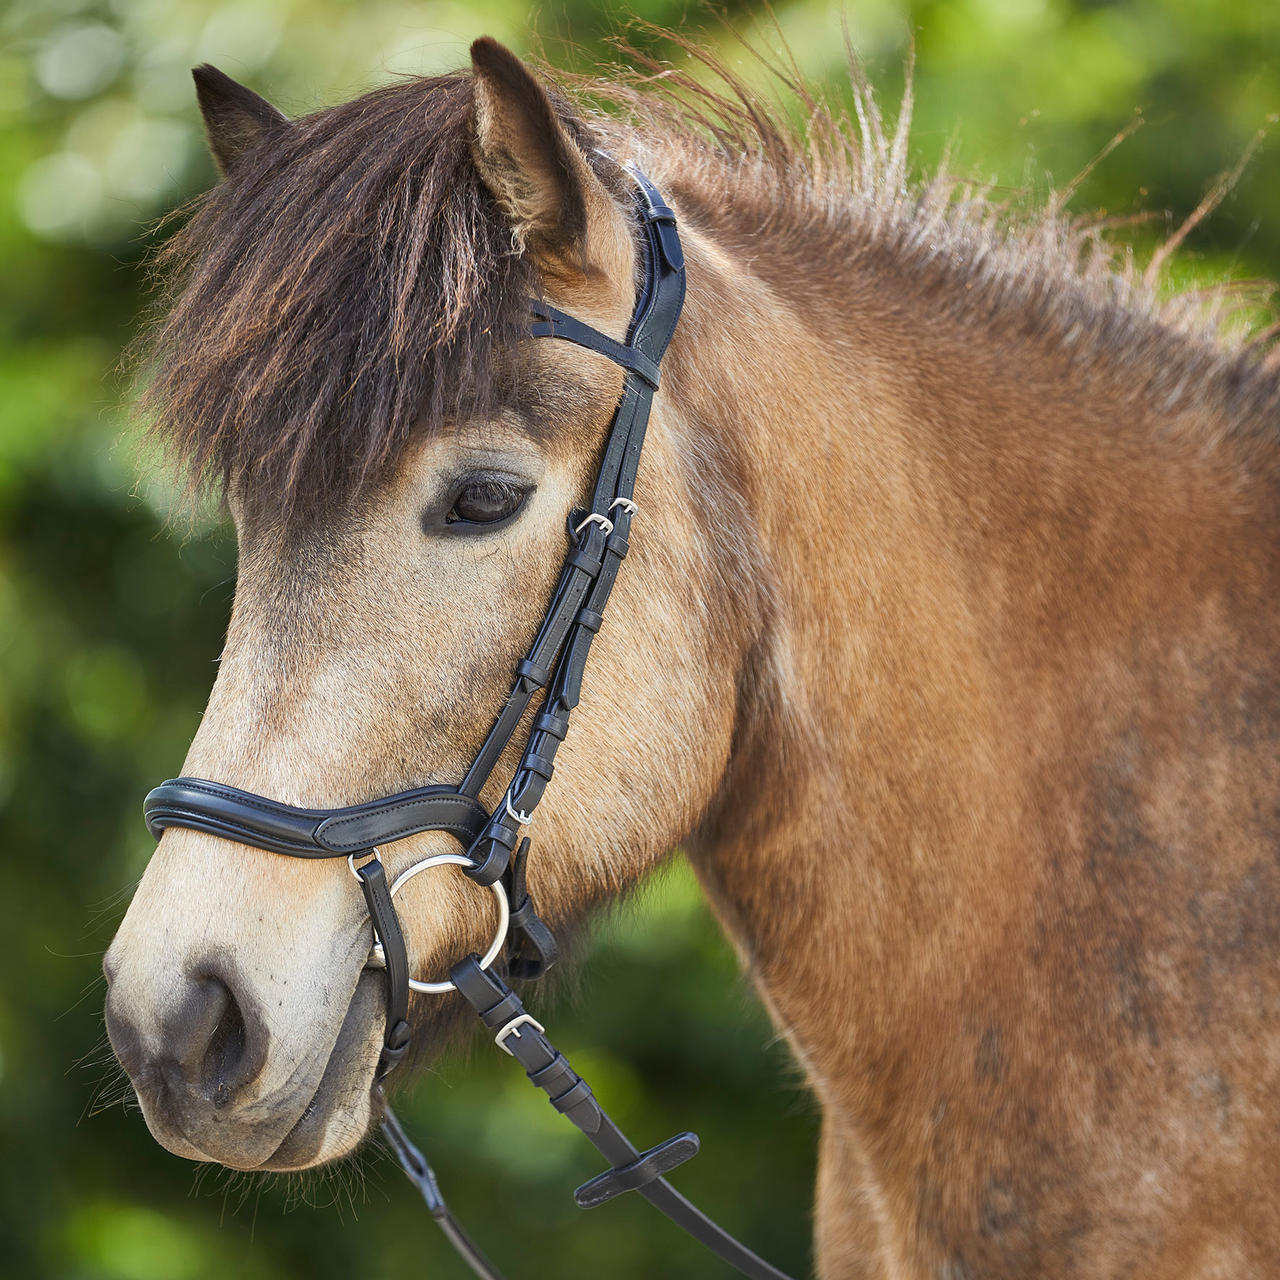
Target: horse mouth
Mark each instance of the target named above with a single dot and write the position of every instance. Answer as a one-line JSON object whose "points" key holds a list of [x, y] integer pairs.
{"points": [[345, 1104]]}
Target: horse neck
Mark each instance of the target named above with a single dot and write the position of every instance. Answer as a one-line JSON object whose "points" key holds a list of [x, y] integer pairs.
{"points": [[974, 551]]}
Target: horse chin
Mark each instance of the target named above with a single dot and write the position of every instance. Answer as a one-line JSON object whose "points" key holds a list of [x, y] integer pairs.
{"points": [[342, 1110]]}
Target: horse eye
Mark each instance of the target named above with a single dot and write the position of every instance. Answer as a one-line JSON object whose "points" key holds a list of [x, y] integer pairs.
{"points": [[486, 501]]}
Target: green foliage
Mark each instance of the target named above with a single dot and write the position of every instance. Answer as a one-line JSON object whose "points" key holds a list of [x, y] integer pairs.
{"points": [[110, 620]]}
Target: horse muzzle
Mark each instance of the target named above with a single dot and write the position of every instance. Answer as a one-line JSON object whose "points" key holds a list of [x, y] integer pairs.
{"points": [[219, 1080]]}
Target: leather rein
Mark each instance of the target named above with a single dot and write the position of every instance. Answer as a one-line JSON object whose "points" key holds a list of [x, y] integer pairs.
{"points": [[495, 851]]}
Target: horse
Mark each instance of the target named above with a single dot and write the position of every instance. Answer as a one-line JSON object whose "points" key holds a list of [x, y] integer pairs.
{"points": [[946, 650]]}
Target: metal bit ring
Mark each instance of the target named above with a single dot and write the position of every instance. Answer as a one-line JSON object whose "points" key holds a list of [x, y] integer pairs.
{"points": [[504, 913]]}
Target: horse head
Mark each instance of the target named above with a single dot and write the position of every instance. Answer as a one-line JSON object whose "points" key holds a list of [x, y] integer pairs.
{"points": [[347, 352]]}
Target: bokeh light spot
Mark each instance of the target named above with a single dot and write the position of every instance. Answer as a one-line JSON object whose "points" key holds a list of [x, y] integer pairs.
{"points": [[60, 195], [79, 61]]}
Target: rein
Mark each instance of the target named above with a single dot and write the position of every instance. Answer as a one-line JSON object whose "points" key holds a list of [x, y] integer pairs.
{"points": [[496, 853]]}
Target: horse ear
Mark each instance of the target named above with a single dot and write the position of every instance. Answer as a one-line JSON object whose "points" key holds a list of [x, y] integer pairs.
{"points": [[235, 118], [536, 171]]}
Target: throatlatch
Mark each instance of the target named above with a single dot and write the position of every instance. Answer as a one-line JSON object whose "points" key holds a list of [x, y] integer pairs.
{"points": [[496, 852]]}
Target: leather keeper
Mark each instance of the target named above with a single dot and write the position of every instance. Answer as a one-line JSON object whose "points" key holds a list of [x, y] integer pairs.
{"points": [[543, 766], [573, 1097], [521, 915], [500, 833], [534, 674], [548, 1077], [548, 722], [582, 558], [498, 1015], [492, 865]]}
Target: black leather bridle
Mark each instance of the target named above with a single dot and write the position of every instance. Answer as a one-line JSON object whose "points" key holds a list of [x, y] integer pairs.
{"points": [[495, 852]]}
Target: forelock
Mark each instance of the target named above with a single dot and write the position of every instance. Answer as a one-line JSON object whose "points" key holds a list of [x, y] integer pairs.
{"points": [[351, 283]]}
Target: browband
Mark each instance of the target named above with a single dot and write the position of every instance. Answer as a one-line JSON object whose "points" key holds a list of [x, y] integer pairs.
{"points": [[554, 323]]}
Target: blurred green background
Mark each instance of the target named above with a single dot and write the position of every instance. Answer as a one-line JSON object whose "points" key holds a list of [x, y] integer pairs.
{"points": [[110, 621]]}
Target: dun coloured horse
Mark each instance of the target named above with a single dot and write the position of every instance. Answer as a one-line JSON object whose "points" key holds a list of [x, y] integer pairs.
{"points": [[947, 649]]}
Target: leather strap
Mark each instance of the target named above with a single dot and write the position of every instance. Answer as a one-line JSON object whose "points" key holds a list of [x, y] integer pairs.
{"points": [[251, 819], [395, 955], [554, 323], [573, 618], [423, 1176], [631, 1169], [532, 948]]}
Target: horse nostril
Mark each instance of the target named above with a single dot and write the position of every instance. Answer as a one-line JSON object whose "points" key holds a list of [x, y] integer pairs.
{"points": [[213, 1042], [196, 1046], [222, 1069]]}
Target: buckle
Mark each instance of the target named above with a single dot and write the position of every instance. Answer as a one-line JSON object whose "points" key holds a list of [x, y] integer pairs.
{"points": [[512, 1028], [596, 518]]}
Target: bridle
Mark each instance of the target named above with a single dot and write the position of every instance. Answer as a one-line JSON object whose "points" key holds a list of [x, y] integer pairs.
{"points": [[495, 852]]}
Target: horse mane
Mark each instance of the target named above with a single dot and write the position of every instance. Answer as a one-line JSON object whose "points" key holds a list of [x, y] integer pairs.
{"points": [[354, 282], [827, 191]]}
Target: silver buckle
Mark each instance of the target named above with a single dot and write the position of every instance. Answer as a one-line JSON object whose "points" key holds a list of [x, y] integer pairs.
{"points": [[522, 818], [596, 518], [512, 1028]]}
